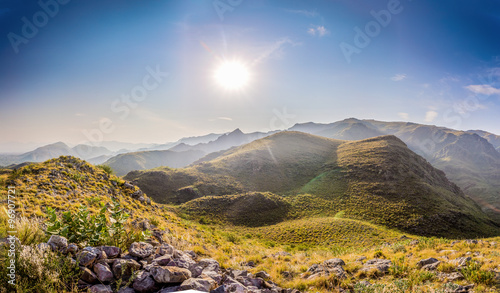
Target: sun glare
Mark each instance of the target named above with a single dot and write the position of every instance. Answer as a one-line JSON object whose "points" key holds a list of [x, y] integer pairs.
{"points": [[232, 75]]}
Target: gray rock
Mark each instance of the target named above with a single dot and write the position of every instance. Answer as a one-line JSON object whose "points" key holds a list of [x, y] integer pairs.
{"points": [[71, 249], [334, 262], [209, 264], [44, 246], [263, 275], [126, 290], [86, 258], [163, 260], [461, 261], [88, 276], [471, 241], [124, 268], [381, 265], [212, 275], [100, 289], [423, 262], [166, 248], [166, 274], [111, 251], [57, 243], [144, 283], [169, 289], [141, 249], [103, 272], [197, 284]]}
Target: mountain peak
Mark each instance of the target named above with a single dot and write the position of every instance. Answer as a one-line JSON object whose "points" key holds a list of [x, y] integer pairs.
{"points": [[237, 131]]}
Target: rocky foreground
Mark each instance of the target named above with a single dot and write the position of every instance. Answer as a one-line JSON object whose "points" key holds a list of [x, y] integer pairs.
{"points": [[155, 267]]}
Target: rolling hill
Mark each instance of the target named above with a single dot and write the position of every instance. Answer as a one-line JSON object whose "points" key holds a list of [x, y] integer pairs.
{"points": [[378, 180], [469, 159], [124, 163]]}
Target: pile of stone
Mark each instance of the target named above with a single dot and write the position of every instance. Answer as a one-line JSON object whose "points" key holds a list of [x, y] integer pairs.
{"points": [[155, 267]]}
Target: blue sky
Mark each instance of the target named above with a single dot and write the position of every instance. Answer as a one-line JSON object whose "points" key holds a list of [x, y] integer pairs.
{"points": [[433, 62]]}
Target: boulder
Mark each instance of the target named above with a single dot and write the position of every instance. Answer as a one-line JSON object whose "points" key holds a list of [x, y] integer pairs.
{"points": [[111, 251], [163, 260], [144, 283], [103, 272], [126, 290], [461, 261], [86, 258], [170, 274], [165, 248], [197, 284], [333, 262], [88, 276], [141, 249], [263, 275], [57, 243], [124, 268], [71, 249], [100, 289], [381, 265]]}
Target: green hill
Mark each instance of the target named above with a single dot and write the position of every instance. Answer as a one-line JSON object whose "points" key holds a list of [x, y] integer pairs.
{"points": [[378, 180]]}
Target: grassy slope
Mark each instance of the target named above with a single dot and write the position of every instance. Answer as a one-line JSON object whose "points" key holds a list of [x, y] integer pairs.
{"points": [[308, 241], [378, 180]]}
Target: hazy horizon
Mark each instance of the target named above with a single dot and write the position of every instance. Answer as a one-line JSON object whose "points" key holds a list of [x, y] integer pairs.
{"points": [[154, 71]]}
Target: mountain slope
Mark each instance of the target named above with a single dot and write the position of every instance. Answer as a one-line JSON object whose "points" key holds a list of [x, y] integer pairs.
{"points": [[124, 163], [468, 158], [378, 180]]}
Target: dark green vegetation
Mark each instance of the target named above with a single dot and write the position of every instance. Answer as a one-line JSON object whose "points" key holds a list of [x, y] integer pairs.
{"points": [[378, 180]]}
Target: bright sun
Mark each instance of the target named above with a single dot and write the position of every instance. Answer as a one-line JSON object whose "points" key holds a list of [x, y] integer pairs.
{"points": [[232, 75]]}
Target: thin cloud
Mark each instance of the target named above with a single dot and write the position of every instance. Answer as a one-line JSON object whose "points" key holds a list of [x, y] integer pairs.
{"points": [[483, 89], [399, 77], [319, 31], [404, 116], [307, 13], [275, 49], [430, 116]]}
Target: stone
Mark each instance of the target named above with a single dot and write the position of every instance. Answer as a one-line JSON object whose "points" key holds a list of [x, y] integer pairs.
{"points": [[334, 262], [165, 248], [169, 274], [103, 272], [44, 246], [144, 283], [124, 268], [126, 290], [86, 258], [264, 275], [197, 284], [141, 249], [57, 243], [423, 262], [381, 265], [209, 264], [461, 261], [163, 260], [88, 276], [471, 241], [71, 248], [431, 266], [169, 289], [100, 289], [212, 275], [111, 251]]}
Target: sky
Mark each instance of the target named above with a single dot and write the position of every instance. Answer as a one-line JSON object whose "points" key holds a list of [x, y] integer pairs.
{"points": [[145, 71]]}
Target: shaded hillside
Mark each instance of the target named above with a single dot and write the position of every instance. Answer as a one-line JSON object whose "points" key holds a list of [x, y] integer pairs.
{"points": [[468, 158], [124, 163], [378, 180]]}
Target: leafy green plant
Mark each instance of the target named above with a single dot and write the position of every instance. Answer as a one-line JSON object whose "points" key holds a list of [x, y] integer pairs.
{"points": [[85, 229], [106, 169]]}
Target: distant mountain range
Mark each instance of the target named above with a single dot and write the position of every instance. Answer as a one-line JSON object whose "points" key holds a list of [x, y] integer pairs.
{"points": [[378, 180], [471, 159]]}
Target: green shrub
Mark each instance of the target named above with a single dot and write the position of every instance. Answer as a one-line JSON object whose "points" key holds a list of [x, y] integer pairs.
{"points": [[473, 273], [93, 230], [106, 169]]}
